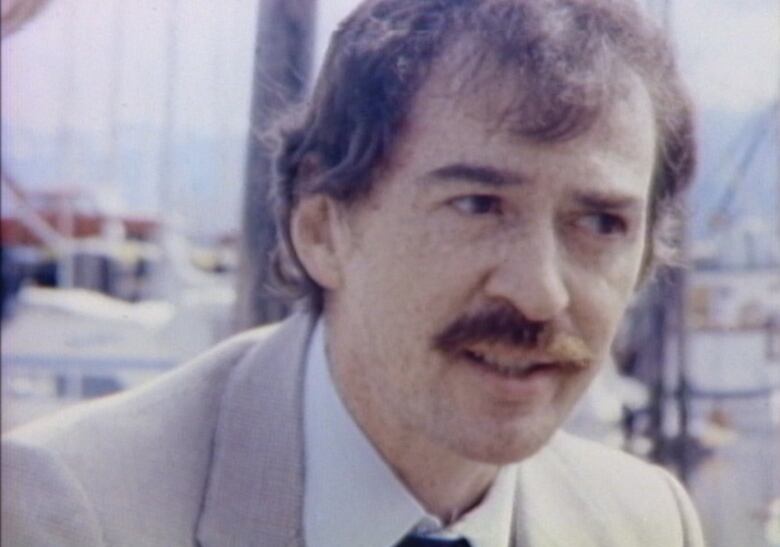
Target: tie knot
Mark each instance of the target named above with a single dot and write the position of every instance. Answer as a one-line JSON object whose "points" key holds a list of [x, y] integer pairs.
{"points": [[420, 541]]}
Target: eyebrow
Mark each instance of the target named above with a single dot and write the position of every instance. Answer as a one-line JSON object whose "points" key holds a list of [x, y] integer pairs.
{"points": [[475, 173], [610, 202]]}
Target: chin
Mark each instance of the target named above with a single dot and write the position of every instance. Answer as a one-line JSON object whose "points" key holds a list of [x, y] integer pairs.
{"points": [[508, 446]]}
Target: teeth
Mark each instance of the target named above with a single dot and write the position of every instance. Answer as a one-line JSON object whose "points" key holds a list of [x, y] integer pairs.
{"points": [[563, 349], [511, 369], [504, 359]]}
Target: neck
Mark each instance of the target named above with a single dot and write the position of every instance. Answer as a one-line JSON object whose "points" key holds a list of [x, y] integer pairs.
{"points": [[445, 483]]}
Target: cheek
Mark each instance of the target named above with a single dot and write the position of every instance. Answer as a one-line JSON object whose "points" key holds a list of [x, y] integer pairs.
{"points": [[389, 278], [414, 257], [600, 308]]}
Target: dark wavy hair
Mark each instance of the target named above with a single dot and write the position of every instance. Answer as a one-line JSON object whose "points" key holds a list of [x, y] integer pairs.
{"points": [[566, 55]]}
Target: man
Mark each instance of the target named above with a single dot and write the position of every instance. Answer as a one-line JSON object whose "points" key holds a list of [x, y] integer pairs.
{"points": [[468, 204]]}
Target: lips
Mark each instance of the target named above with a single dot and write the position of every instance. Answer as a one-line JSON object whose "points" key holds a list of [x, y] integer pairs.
{"points": [[509, 369], [516, 362]]}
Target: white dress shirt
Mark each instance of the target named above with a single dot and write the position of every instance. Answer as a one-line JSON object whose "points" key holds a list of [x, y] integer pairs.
{"points": [[352, 497]]}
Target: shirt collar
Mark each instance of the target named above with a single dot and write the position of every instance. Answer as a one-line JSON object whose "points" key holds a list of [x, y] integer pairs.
{"points": [[490, 523], [352, 497]]}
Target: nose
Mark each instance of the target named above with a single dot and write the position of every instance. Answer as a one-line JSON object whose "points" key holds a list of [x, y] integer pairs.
{"points": [[530, 275]]}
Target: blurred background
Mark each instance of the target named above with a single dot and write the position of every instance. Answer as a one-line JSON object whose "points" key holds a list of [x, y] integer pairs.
{"points": [[134, 223]]}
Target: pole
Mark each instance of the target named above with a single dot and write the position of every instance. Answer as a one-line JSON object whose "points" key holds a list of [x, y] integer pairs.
{"points": [[659, 318], [164, 182], [680, 313], [71, 173], [683, 392], [283, 61]]}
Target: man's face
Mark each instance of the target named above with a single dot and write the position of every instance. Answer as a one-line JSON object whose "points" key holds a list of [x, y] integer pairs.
{"points": [[471, 230]]}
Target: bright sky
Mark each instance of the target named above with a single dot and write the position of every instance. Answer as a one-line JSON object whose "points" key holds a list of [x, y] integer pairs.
{"points": [[80, 52], [730, 51]]}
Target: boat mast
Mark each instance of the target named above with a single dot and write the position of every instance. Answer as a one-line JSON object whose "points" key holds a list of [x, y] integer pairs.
{"points": [[283, 62]]}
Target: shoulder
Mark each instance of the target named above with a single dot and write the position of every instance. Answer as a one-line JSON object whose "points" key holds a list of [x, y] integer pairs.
{"points": [[596, 459], [186, 393], [617, 497], [147, 451], [43, 503]]}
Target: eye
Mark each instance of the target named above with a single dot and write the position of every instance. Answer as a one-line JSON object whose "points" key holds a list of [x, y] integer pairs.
{"points": [[603, 224], [478, 204]]}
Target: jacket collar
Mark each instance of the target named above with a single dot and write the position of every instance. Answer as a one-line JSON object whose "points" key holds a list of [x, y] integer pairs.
{"points": [[254, 494]]}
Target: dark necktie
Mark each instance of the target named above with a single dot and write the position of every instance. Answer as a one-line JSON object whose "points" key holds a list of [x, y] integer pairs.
{"points": [[419, 541]]}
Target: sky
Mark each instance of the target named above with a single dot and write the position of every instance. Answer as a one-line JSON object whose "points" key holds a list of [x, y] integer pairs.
{"points": [[729, 51], [67, 55], [91, 77]]}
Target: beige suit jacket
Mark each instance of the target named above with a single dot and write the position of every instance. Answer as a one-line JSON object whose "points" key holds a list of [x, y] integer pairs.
{"points": [[212, 455]]}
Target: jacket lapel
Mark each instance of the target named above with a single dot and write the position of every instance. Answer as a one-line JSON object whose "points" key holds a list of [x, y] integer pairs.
{"points": [[254, 494], [557, 505]]}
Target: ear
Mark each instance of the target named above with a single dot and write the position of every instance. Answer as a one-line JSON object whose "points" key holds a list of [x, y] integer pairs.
{"points": [[314, 228]]}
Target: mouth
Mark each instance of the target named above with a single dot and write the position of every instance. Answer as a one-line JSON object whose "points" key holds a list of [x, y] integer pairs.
{"points": [[510, 368]]}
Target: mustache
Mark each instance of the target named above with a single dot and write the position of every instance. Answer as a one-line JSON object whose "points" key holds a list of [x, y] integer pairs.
{"points": [[506, 326]]}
